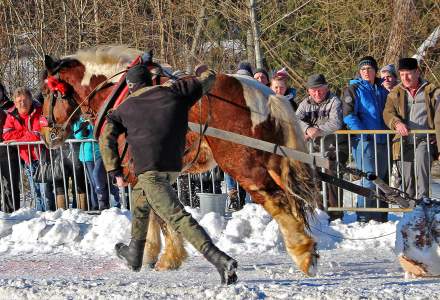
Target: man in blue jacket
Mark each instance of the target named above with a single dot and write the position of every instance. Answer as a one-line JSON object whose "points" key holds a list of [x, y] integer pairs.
{"points": [[363, 102]]}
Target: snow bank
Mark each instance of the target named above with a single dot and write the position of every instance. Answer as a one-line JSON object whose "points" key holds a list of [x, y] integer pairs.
{"points": [[250, 230]]}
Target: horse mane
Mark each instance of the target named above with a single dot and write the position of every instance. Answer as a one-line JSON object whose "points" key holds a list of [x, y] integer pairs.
{"points": [[107, 60], [104, 60]]}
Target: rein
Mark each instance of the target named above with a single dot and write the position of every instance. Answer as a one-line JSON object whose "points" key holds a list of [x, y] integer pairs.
{"points": [[55, 128], [202, 131], [90, 95]]}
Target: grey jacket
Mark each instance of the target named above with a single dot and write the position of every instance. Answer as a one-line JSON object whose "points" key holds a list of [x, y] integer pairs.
{"points": [[327, 116]]}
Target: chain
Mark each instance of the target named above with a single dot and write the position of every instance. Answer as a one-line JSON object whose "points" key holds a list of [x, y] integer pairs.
{"points": [[390, 194]]}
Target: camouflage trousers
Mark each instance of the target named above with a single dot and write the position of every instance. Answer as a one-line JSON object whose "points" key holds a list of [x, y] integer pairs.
{"points": [[154, 191]]}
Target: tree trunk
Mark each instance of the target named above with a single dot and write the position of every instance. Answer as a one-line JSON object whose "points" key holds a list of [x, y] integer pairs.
{"points": [[65, 29], [250, 46], [256, 33], [400, 29], [121, 22], [429, 43], [96, 17], [196, 39]]}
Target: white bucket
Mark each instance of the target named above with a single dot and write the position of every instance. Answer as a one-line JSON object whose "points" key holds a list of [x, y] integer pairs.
{"points": [[212, 203]]}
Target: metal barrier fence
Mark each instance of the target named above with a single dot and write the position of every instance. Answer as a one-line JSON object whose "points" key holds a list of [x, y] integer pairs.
{"points": [[17, 191], [410, 172]]}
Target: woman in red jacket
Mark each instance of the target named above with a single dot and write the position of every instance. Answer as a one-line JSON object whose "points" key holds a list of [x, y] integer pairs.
{"points": [[22, 124]]}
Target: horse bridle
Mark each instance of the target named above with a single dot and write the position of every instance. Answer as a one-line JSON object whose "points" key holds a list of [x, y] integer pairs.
{"points": [[55, 95]]}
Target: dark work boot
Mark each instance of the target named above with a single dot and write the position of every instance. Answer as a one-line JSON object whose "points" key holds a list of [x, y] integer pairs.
{"points": [[103, 205], [131, 254], [102, 202], [225, 265]]}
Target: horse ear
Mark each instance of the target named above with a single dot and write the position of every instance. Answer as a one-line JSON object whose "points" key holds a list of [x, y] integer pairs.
{"points": [[50, 63], [147, 57]]}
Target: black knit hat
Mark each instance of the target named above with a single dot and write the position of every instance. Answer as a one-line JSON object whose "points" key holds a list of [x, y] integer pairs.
{"points": [[315, 81], [368, 61], [245, 68], [261, 70], [138, 74], [407, 63]]}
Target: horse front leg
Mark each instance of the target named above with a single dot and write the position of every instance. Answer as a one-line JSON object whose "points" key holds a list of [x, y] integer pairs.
{"points": [[299, 244], [174, 253]]}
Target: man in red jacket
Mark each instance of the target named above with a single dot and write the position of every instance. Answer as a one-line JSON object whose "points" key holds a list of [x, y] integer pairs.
{"points": [[22, 124]]}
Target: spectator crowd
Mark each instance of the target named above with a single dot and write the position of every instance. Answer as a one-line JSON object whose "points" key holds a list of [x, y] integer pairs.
{"points": [[396, 98]]}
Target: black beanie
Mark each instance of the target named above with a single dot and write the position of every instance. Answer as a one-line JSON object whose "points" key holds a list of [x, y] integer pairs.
{"points": [[407, 63], [139, 74], [261, 70], [368, 61], [245, 68]]}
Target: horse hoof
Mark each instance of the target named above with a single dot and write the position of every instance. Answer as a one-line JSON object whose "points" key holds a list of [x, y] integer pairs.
{"points": [[150, 265], [313, 268], [310, 264], [166, 265]]}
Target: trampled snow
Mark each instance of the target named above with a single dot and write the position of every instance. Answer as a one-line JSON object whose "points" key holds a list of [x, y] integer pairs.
{"points": [[70, 254]]}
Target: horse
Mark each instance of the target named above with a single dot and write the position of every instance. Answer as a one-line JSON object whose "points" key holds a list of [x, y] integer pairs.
{"points": [[286, 188]]}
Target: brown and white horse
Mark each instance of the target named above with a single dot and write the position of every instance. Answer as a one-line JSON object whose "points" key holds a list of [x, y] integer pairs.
{"points": [[239, 104]]}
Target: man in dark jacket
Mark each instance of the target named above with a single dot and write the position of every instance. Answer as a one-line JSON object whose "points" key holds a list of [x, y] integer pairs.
{"points": [[9, 168], [155, 121]]}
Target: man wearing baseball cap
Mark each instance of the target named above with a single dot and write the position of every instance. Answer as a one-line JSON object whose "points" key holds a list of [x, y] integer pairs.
{"points": [[389, 76], [412, 105]]}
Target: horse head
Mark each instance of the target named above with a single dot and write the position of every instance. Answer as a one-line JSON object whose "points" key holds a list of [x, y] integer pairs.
{"points": [[63, 91], [80, 83]]}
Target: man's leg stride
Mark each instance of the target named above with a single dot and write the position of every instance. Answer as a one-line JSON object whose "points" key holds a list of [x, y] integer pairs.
{"points": [[134, 252], [163, 200]]}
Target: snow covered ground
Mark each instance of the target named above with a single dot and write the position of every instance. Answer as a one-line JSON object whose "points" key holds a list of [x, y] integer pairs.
{"points": [[69, 255]]}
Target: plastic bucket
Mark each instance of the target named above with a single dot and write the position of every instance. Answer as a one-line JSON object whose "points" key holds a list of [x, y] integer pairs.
{"points": [[212, 203]]}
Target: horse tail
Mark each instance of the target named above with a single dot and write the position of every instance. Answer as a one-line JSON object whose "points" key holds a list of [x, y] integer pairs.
{"points": [[297, 178]]}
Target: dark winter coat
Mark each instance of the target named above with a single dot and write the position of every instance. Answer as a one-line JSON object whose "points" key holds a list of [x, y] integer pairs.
{"points": [[155, 120]]}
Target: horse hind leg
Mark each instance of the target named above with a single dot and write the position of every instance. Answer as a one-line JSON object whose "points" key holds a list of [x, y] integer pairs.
{"points": [[300, 245], [174, 253], [153, 244]]}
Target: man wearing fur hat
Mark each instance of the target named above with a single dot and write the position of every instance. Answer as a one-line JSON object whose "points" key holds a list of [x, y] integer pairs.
{"points": [[412, 105], [363, 103]]}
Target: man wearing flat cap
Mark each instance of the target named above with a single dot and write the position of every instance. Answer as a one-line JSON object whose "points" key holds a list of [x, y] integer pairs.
{"points": [[363, 103], [320, 115], [412, 105]]}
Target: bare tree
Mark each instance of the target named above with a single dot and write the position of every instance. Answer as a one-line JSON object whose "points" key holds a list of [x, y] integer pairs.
{"points": [[196, 40], [400, 29], [256, 34]]}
